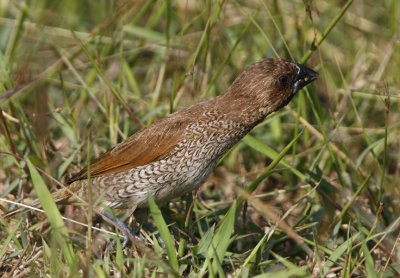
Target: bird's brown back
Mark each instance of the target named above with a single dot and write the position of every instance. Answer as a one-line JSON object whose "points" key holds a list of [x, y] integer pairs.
{"points": [[147, 145]]}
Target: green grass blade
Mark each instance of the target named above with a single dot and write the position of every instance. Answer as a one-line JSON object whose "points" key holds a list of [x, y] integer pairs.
{"points": [[259, 146], [59, 230], [165, 234], [325, 34], [337, 254], [216, 248], [222, 239], [6, 241], [145, 33], [369, 262], [276, 160]]}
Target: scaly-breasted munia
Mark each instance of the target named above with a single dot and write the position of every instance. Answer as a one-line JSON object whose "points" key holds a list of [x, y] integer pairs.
{"points": [[176, 154]]}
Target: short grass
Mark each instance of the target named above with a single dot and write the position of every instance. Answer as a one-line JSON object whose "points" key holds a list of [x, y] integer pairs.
{"points": [[77, 77]]}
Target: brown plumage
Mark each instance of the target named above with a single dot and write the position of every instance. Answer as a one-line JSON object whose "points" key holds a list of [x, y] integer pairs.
{"points": [[176, 154]]}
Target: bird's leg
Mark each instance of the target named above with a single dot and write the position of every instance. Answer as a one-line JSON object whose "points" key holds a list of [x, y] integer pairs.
{"points": [[127, 232], [142, 216]]}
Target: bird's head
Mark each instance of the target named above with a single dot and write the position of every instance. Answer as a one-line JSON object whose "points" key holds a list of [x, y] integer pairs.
{"points": [[270, 84]]}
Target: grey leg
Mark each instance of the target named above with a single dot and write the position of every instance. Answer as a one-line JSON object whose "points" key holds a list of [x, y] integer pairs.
{"points": [[127, 232]]}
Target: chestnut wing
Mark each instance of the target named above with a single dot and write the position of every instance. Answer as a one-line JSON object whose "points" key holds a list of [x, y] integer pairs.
{"points": [[143, 147]]}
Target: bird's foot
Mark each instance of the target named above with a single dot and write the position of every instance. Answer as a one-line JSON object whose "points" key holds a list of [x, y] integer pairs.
{"points": [[153, 230], [126, 231], [129, 234]]}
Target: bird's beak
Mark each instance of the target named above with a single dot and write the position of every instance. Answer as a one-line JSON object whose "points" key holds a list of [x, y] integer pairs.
{"points": [[304, 77]]}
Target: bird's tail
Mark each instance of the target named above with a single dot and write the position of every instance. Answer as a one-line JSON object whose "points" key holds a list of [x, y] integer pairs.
{"points": [[58, 196]]}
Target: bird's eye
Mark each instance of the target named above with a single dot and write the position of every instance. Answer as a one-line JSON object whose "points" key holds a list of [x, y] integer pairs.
{"points": [[283, 81]]}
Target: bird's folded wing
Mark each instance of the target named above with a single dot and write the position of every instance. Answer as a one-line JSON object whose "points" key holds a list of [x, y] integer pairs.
{"points": [[143, 147]]}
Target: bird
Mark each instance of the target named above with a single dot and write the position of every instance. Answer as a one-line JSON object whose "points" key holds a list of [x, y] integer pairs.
{"points": [[175, 155]]}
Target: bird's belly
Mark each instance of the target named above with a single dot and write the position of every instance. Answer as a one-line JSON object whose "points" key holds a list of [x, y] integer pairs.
{"points": [[162, 181], [189, 181], [165, 179]]}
